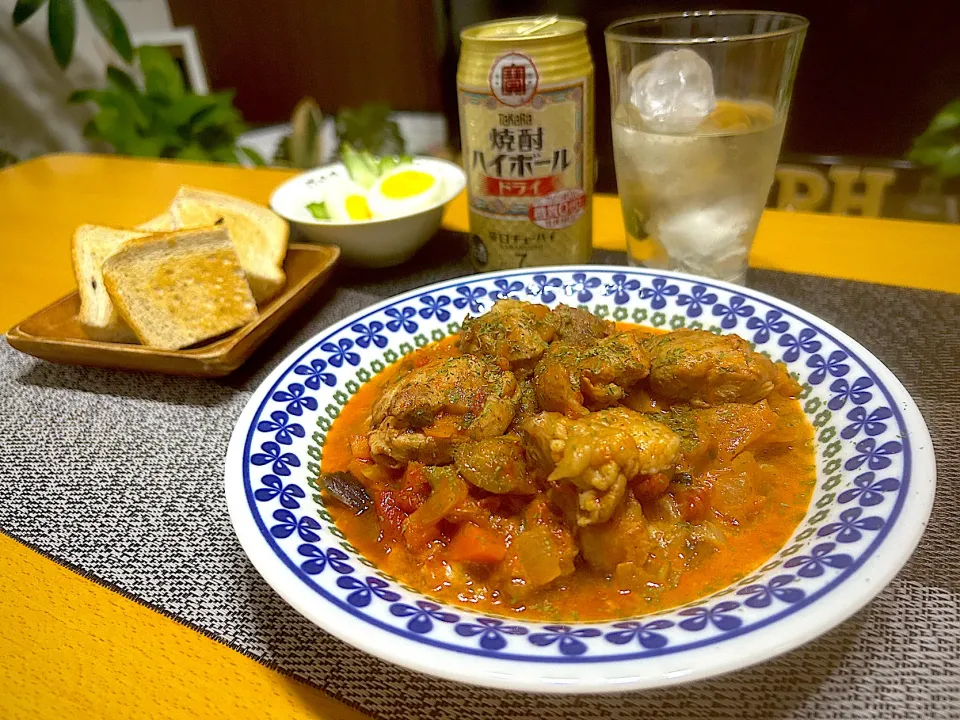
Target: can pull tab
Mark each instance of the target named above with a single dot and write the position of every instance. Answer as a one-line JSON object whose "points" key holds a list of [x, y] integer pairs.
{"points": [[541, 23]]}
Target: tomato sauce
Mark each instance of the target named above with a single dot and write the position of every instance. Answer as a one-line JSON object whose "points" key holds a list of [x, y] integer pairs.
{"points": [[753, 520]]}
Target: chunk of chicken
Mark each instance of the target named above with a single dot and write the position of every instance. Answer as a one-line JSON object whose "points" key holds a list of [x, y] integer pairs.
{"points": [[422, 414], [576, 326], [392, 444], [526, 404], [574, 379], [625, 538], [599, 455], [706, 369], [513, 335]]}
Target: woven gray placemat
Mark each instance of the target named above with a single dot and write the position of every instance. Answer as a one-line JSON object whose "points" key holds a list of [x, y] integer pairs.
{"points": [[118, 475]]}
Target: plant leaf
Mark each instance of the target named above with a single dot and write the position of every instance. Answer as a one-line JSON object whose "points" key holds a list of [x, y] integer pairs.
{"points": [[305, 143], [950, 163], [947, 119], [122, 80], [282, 154], [187, 108], [62, 30], [135, 108], [111, 26], [24, 10], [162, 78], [121, 84], [931, 156], [145, 147], [252, 155], [218, 116], [932, 140], [88, 95], [132, 106], [370, 128], [225, 155], [111, 127], [90, 130], [192, 152]]}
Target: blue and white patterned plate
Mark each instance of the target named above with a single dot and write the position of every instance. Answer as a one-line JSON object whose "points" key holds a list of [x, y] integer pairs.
{"points": [[875, 488]]}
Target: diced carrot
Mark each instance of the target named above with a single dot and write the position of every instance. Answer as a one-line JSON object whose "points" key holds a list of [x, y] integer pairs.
{"points": [[418, 536], [360, 447], [477, 545]]}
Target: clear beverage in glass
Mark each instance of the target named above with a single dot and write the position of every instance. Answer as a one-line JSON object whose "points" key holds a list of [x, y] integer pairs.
{"points": [[699, 102]]}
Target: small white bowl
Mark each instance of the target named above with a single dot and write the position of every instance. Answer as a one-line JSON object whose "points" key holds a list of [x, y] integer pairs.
{"points": [[371, 243]]}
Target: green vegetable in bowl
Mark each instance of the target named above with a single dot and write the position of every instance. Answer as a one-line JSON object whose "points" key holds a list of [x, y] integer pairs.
{"points": [[366, 168], [318, 210], [363, 167], [389, 162]]}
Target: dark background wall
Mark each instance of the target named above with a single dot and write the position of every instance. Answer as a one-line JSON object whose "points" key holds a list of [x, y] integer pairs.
{"points": [[871, 76], [342, 52]]}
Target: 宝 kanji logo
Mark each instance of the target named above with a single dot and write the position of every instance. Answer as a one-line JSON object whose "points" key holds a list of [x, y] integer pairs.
{"points": [[514, 79]]}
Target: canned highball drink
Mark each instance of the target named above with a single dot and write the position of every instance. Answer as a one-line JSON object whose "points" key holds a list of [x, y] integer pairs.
{"points": [[525, 91]]}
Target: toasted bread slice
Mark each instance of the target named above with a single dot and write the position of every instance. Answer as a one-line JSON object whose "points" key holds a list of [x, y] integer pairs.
{"points": [[92, 244], [164, 222], [259, 235], [176, 289]]}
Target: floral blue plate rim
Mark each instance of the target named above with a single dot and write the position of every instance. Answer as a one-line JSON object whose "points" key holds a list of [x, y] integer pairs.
{"points": [[874, 492]]}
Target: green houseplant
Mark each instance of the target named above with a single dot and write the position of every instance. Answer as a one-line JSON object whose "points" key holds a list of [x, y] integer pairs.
{"points": [[937, 148], [162, 118], [157, 118]]}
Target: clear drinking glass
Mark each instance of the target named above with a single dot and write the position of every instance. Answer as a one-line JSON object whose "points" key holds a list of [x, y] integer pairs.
{"points": [[699, 101]]}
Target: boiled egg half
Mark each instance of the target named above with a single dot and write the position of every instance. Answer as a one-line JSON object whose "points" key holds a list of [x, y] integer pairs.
{"points": [[346, 201], [404, 191]]}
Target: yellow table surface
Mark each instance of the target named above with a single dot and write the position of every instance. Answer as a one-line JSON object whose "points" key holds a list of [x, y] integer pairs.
{"points": [[69, 647]]}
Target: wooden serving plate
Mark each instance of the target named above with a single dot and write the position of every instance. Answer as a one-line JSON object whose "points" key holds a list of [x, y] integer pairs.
{"points": [[54, 334]]}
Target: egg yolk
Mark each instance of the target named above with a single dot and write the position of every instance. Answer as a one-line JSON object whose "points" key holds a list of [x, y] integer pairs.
{"points": [[357, 208], [406, 184]]}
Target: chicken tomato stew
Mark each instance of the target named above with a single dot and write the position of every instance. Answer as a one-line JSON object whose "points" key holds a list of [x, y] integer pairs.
{"points": [[551, 463]]}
